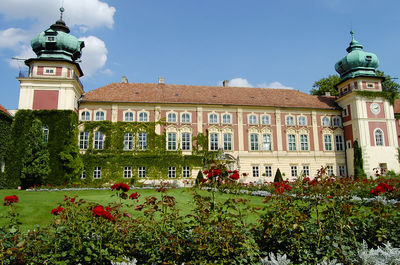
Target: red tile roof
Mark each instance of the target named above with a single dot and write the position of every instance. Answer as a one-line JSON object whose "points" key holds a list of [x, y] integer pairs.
{"points": [[188, 94], [2, 109]]}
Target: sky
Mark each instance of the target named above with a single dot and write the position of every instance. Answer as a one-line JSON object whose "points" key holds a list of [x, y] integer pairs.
{"points": [[259, 43]]}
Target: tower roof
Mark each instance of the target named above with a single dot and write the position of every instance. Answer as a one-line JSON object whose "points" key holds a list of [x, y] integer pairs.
{"points": [[357, 62], [57, 43]]}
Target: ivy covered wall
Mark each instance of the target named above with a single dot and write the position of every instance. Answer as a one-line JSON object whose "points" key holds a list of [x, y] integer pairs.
{"points": [[5, 133], [65, 162]]}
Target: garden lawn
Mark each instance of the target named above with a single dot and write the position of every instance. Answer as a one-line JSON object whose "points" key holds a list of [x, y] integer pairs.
{"points": [[34, 207]]}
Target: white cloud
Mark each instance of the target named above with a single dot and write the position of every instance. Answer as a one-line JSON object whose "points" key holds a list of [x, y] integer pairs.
{"points": [[94, 55], [25, 52], [87, 13], [275, 84], [12, 38], [240, 82]]}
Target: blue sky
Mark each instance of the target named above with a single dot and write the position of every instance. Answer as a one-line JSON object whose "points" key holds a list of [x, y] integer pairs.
{"points": [[260, 43]]}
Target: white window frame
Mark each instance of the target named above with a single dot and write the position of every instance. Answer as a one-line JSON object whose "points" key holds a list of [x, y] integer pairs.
{"points": [[186, 172], [325, 121], [85, 115], [253, 119], [329, 170], [345, 111], [97, 173], [266, 142], [289, 120], [186, 117], [268, 171], [172, 117], [339, 145], [83, 140], [341, 170], [142, 172], [49, 70], [129, 116], [327, 144], [291, 142], [306, 170], [336, 121], [172, 144], [213, 118], [381, 141], [293, 171], [143, 116], [127, 172], [45, 131], [186, 141], [265, 119], [214, 138], [142, 141], [128, 141], [227, 141], [302, 121], [256, 171], [171, 172], [83, 175], [304, 146], [98, 141], [100, 115], [254, 142], [226, 118]]}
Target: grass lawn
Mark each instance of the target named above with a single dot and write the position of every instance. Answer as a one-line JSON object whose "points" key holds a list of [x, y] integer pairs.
{"points": [[34, 207]]}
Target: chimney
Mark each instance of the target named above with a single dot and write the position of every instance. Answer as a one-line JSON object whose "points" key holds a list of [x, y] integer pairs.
{"points": [[327, 93], [225, 83], [161, 80], [124, 79]]}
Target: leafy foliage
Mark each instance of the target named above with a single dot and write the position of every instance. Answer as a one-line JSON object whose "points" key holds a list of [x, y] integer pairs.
{"points": [[388, 84], [326, 84], [358, 161], [5, 134], [278, 176]]}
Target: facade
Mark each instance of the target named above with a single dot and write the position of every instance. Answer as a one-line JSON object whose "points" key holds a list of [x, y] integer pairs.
{"points": [[258, 130]]}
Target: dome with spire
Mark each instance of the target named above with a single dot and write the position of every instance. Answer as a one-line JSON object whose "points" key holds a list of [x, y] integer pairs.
{"points": [[357, 62], [57, 43]]}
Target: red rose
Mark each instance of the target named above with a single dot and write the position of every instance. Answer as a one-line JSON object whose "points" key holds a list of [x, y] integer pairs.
{"points": [[235, 176], [217, 172], [72, 200], [244, 174], [115, 187], [203, 180], [121, 186], [205, 172], [8, 200], [57, 210], [134, 196], [98, 210]]}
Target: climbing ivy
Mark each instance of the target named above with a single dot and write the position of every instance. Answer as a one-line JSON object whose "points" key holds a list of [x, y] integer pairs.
{"points": [[113, 158], [5, 133], [65, 161], [390, 96]]}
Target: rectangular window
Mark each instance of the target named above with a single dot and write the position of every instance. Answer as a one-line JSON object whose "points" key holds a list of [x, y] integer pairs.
{"points": [[142, 172], [266, 142], [306, 171], [128, 172], [227, 141], [171, 141], [186, 172], [172, 172], [97, 173], [128, 141], [213, 141], [268, 171], [254, 142], [256, 171], [339, 142], [83, 175], [293, 171], [329, 170], [186, 141], [304, 142], [291, 142], [328, 142], [142, 141], [98, 140], [341, 171], [83, 140]]}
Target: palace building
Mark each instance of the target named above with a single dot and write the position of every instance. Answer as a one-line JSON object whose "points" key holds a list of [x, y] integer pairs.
{"points": [[257, 130]]}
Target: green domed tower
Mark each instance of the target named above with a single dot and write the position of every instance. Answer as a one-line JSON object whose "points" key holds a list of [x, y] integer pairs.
{"points": [[368, 116], [53, 80]]}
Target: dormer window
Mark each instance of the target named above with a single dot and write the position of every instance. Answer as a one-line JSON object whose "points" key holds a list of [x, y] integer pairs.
{"points": [[51, 39], [368, 57]]}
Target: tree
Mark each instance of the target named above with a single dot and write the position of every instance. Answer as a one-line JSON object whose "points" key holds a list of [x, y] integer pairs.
{"points": [[358, 161], [278, 176], [36, 157], [326, 84], [389, 85]]}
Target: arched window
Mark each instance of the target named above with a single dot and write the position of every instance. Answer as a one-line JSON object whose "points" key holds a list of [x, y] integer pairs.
{"points": [[213, 118], [100, 116], [171, 117], [128, 116], [143, 117], [85, 116], [226, 119], [302, 121], [378, 137], [185, 118], [336, 122], [325, 121], [252, 119], [289, 120], [265, 120]]}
